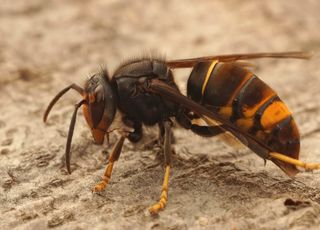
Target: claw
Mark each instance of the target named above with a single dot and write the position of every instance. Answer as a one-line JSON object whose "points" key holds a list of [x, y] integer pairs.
{"points": [[100, 187]]}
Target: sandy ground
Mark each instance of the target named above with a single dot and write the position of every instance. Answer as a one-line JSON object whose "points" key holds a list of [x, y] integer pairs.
{"points": [[46, 45]]}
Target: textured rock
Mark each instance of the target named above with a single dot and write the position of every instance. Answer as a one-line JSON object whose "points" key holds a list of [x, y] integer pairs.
{"points": [[46, 45]]}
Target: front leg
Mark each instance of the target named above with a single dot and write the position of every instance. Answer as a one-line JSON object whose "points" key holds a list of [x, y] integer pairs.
{"points": [[114, 156], [154, 209]]}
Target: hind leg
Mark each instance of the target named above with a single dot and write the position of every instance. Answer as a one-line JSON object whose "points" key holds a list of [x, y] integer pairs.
{"points": [[298, 163]]}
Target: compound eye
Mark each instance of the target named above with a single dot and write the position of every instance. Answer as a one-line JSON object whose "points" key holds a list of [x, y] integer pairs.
{"points": [[96, 106], [96, 110], [99, 94]]}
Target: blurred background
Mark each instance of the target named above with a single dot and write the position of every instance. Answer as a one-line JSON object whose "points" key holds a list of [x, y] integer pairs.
{"points": [[46, 45]]}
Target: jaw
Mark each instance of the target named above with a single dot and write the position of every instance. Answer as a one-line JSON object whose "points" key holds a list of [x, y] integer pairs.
{"points": [[98, 136]]}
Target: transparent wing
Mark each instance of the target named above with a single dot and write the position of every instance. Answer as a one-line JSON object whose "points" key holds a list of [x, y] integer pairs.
{"points": [[190, 62]]}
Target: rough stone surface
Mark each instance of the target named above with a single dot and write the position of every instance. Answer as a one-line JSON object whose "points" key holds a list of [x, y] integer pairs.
{"points": [[46, 45]]}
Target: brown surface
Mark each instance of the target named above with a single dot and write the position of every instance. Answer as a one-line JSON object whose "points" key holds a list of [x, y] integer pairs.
{"points": [[46, 45]]}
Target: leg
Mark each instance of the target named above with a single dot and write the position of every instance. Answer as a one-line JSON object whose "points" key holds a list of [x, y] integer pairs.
{"points": [[284, 158], [185, 120], [167, 153], [157, 140], [161, 133], [114, 156]]}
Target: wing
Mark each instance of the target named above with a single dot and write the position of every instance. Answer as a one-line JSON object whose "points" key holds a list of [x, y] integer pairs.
{"points": [[166, 91], [212, 118], [224, 136], [190, 62], [237, 142]]}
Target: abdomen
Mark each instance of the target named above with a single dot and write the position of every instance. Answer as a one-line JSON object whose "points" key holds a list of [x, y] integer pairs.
{"points": [[246, 101]]}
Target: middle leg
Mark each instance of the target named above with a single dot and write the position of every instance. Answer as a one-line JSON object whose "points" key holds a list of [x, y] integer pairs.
{"points": [[154, 209]]}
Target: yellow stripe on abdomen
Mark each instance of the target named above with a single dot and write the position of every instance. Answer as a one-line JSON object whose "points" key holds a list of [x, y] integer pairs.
{"points": [[211, 67]]}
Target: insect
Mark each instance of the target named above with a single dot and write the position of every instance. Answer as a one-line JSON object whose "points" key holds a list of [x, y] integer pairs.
{"points": [[220, 90]]}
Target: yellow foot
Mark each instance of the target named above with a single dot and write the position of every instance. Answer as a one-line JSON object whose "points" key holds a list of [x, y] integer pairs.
{"points": [[311, 166], [156, 208], [100, 187]]}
